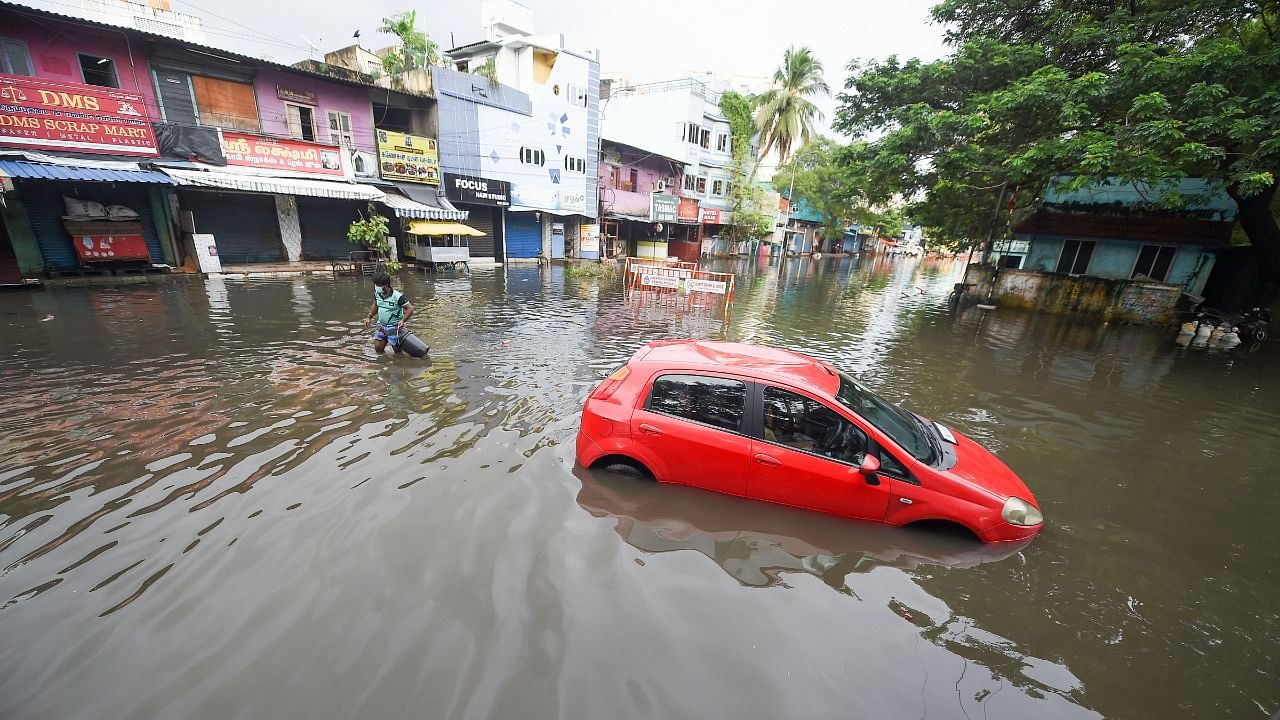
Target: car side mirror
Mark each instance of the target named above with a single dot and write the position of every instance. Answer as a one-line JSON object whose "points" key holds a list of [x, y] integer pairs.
{"points": [[868, 468]]}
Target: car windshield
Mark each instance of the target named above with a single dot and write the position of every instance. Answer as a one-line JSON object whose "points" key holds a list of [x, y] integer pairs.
{"points": [[898, 424]]}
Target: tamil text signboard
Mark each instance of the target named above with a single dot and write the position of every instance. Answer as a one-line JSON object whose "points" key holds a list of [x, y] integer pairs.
{"points": [[279, 154], [37, 113], [411, 158]]}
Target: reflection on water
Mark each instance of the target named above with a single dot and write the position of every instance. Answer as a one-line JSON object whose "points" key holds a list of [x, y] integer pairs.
{"points": [[216, 500]]}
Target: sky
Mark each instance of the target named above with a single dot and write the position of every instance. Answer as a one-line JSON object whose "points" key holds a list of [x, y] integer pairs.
{"points": [[648, 42]]}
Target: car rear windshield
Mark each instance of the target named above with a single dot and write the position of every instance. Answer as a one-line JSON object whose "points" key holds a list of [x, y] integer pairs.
{"points": [[898, 424]]}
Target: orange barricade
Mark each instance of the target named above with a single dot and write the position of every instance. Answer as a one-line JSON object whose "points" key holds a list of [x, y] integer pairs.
{"points": [[679, 285]]}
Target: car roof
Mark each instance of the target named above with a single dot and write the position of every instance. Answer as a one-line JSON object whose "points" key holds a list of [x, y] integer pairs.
{"points": [[765, 363]]}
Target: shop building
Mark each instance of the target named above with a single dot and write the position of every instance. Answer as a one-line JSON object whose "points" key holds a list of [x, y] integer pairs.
{"points": [[530, 130]]}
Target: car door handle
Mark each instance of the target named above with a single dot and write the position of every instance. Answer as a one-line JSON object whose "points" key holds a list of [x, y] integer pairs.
{"points": [[648, 429], [767, 459]]}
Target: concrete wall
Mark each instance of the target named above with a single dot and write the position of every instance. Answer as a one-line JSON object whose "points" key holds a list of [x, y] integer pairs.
{"points": [[330, 96], [1124, 300]]}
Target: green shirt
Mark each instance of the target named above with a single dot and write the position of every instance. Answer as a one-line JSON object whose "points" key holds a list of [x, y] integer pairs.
{"points": [[391, 307]]}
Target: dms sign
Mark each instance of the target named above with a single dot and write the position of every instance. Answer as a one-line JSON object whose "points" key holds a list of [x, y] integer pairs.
{"points": [[476, 190], [66, 116]]}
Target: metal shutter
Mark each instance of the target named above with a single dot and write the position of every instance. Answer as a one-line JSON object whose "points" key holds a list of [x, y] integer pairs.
{"points": [[524, 235], [244, 225], [324, 223], [482, 219], [45, 209]]}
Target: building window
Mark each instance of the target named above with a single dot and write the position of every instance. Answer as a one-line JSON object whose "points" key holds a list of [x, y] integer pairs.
{"points": [[573, 164], [530, 156], [302, 121], [634, 182], [340, 129], [1075, 257], [14, 58], [576, 95], [717, 188], [98, 71], [705, 141], [693, 134], [1154, 262], [722, 142], [701, 187]]}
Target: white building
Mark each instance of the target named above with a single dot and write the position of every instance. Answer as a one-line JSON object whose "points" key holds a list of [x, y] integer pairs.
{"points": [[548, 154], [679, 119], [153, 16]]}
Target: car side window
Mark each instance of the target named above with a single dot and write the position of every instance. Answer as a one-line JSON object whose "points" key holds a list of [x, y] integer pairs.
{"points": [[715, 401], [805, 424], [889, 465]]}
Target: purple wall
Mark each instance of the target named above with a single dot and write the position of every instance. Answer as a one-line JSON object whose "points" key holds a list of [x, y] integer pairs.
{"points": [[650, 169], [53, 45], [330, 96]]}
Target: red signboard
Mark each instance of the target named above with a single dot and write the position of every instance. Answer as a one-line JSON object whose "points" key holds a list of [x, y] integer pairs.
{"points": [[37, 113], [688, 211], [111, 248], [711, 216], [280, 154]]}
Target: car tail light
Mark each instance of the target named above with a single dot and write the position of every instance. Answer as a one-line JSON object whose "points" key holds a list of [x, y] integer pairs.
{"points": [[611, 383]]}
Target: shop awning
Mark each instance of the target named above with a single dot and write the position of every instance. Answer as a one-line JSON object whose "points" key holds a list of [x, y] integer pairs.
{"points": [[43, 171], [406, 208], [275, 185], [430, 227], [429, 195]]}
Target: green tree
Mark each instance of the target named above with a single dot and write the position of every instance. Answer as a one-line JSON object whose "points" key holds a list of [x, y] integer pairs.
{"points": [[1040, 93], [416, 51], [829, 177], [749, 218], [785, 113]]}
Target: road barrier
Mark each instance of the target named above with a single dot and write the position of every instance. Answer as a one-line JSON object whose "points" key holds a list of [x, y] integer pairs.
{"points": [[678, 284]]}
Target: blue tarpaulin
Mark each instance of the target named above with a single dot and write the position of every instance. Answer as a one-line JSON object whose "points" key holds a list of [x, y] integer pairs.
{"points": [[43, 171]]}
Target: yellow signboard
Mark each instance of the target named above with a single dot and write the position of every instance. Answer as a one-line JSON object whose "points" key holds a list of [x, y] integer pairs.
{"points": [[411, 158]]}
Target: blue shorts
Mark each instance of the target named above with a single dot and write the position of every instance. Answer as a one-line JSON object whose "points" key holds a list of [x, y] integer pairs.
{"points": [[388, 333]]}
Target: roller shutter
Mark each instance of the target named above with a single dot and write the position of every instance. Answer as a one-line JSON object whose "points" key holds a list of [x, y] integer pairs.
{"points": [[485, 219], [244, 225], [524, 235], [324, 223]]}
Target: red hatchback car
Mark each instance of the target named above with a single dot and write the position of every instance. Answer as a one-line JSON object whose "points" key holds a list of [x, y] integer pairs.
{"points": [[776, 425]]}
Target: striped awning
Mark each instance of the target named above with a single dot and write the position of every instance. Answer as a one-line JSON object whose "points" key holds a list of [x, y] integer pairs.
{"points": [[406, 208], [46, 171], [275, 185]]}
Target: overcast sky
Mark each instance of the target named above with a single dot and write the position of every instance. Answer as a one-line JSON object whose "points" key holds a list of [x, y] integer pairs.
{"points": [[648, 41]]}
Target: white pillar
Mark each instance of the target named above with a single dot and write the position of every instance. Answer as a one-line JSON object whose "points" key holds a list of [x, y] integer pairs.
{"points": [[290, 230]]}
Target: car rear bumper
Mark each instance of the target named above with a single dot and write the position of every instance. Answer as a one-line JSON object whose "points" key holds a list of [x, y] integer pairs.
{"points": [[587, 450]]}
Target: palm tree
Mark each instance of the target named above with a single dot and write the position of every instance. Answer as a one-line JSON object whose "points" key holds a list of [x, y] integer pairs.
{"points": [[784, 113]]}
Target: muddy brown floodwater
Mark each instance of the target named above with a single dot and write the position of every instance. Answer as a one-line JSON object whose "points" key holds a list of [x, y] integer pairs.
{"points": [[216, 502]]}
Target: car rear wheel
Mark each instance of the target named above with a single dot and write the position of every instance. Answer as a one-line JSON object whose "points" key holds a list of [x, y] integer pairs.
{"points": [[624, 466]]}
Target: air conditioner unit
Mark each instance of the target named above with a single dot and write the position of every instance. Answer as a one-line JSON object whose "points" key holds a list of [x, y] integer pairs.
{"points": [[659, 186]]}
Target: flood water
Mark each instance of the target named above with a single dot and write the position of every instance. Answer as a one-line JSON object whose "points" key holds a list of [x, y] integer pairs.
{"points": [[217, 502]]}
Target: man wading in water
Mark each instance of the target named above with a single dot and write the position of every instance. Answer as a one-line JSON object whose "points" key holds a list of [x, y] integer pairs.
{"points": [[392, 309]]}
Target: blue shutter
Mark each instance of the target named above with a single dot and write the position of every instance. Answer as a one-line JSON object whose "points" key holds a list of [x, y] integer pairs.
{"points": [[524, 235]]}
